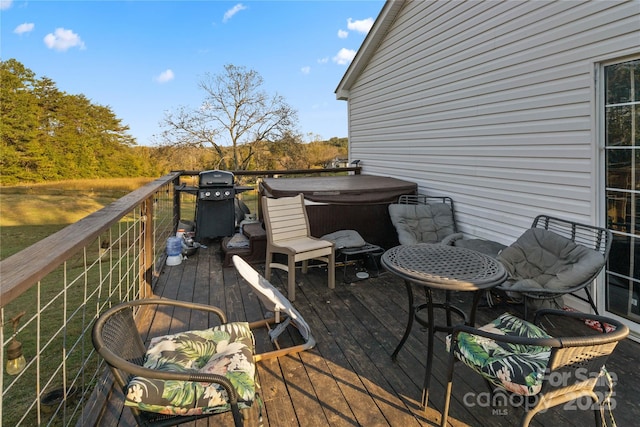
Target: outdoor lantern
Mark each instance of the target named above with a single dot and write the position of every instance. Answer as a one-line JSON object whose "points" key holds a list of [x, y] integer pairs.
{"points": [[15, 359]]}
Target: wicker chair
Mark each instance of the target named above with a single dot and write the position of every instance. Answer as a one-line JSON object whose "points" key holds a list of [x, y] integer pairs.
{"points": [[134, 367], [555, 257], [287, 226], [515, 355]]}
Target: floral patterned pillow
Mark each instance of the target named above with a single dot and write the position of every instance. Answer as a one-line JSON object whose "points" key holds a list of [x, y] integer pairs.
{"points": [[517, 368], [224, 350]]}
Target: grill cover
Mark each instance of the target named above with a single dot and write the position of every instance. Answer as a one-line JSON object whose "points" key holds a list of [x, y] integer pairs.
{"points": [[215, 178]]}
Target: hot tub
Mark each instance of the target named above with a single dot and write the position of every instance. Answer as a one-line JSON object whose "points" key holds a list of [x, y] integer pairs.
{"points": [[354, 202]]}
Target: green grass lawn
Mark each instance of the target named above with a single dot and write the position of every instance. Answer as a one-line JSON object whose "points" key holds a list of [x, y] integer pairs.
{"points": [[30, 213]]}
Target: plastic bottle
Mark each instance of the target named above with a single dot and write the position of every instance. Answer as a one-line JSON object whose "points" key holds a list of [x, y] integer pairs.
{"points": [[174, 251]]}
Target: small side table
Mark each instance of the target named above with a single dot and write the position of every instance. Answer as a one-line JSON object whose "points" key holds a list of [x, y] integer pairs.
{"points": [[371, 252]]}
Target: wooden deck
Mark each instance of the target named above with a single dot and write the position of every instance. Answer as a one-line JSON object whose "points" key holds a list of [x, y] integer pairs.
{"points": [[349, 379]]}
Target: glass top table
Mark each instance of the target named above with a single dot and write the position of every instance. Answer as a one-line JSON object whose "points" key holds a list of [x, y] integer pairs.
{"points": [[449, 268]]}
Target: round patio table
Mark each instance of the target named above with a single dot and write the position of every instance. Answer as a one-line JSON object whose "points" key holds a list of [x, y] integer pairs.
{"points": [[437, 266]]}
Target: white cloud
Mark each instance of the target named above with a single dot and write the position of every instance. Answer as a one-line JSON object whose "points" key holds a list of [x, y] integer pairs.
{"points": [[342, 34], [165, 76], [24, 28], [5, 4], [62, 40], [344, 56], [235, 9], [305, 69], [323, 60], [361, 26]]}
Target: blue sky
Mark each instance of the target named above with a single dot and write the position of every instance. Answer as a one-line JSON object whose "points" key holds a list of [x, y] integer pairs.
{"points": [[142, 58]]}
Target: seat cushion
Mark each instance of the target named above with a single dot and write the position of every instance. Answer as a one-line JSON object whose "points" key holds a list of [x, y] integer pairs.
{"points": [[301, 245], [542, 258], [517, 368], [224, 350], [345, 239], [429, 223]]}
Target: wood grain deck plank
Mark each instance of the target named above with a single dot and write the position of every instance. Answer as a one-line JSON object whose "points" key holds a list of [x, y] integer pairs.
{"points": [[348, 379]]}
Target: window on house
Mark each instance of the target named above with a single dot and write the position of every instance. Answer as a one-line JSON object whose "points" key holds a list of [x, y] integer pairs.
{"points": [[622, 166]]}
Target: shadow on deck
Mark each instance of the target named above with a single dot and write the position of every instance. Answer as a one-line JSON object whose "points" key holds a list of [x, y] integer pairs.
{"points": [[349, 379]]}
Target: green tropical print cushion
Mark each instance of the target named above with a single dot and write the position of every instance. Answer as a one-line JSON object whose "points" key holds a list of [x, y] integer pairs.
{"points": [[517, 368], [224, 350]]}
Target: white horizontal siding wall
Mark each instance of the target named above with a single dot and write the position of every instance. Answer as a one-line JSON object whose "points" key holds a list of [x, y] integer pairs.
{"points": [[493, 104]]}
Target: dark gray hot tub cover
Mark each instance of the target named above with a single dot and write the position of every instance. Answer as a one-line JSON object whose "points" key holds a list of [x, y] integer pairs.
{"points": [[340, 190]]}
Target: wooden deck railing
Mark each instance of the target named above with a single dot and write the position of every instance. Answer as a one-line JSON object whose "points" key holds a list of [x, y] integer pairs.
{"points": [[63, 282]]}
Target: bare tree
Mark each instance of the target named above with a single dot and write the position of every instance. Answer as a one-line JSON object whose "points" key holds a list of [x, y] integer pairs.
{"points": [[235, 112]]}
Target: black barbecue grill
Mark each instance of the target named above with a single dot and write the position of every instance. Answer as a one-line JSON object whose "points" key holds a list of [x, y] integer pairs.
{"points": [[215, 208]]}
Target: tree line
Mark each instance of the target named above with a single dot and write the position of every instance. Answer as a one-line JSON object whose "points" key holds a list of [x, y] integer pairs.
{"points": [[47, 134]]}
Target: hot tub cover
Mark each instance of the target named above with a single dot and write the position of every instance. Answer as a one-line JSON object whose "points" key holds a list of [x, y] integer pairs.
{"points": [[351, 189]]}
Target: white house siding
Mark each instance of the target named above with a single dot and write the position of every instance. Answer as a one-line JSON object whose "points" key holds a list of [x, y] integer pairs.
{"points": [[491, 103]]}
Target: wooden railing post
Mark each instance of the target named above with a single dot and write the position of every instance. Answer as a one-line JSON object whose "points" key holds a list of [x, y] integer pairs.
{"points": [[146, 249], [176, 204]]}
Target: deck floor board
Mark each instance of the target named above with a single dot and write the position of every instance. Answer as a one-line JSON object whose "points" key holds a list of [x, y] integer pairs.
{"points": [[349, 379]]}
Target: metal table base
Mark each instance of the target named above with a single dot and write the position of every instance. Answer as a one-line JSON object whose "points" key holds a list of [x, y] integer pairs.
{"points": [[435, 266]]}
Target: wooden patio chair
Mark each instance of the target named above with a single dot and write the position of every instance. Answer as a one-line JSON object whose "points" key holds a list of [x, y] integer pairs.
{"points": [[284, 313], [555, 257], [180, 377], [519, 357], [288, 233]]}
